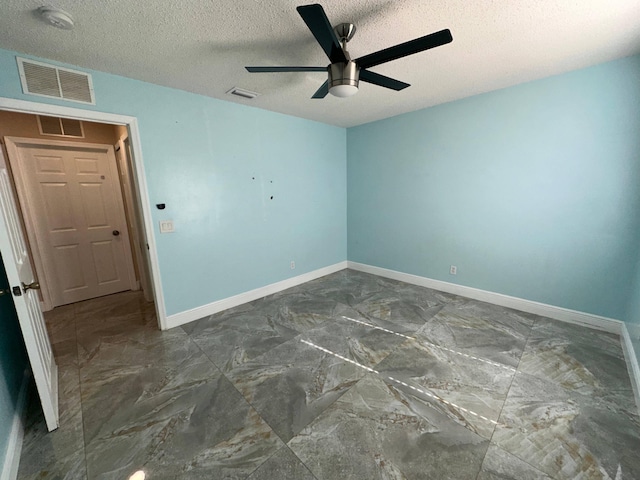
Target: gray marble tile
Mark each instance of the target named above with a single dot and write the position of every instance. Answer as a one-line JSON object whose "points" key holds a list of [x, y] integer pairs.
{"points": [[121, 379], [568, 435], [116, 350], [579, 359], [292, 384], [283, 465], [501, 465], [357, 337], [66, 352], [203, 430], [480, 329], [59, 454], [61, 324], [474, 389], [377, 432], [113, 306], [348, 287], [233, 339], [299, 311]]}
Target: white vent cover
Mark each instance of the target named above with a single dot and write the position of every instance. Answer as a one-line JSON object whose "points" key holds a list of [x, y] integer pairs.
{"points": [[241, 92], [50, 81]]}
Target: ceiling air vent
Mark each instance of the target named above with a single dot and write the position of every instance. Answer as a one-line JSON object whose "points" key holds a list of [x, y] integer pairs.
{"points": [[50, 81], [240, 92]]}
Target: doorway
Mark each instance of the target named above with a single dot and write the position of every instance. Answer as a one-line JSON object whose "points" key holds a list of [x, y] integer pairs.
{"points": [[125, 144], [73, 210]]}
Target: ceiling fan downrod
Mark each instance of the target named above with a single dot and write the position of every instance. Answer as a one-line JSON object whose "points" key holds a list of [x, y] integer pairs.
{"points": [[344, 76]]}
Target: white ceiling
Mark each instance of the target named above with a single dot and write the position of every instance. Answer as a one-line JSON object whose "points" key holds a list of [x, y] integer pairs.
{"points": [[202, 46]]}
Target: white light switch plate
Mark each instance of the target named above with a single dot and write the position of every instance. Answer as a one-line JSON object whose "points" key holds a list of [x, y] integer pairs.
{"points": [[166, 226]]}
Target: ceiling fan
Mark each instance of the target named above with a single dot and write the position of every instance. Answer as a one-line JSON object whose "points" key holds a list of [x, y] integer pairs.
{"points": [[344, 73]]}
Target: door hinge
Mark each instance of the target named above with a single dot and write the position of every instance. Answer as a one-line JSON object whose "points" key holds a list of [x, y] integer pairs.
{"points": [[17, 291]]}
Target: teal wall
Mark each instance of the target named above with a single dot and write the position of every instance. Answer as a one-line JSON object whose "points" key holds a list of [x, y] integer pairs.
{"points": [[13, 362], [532, 191], [216, 165]]}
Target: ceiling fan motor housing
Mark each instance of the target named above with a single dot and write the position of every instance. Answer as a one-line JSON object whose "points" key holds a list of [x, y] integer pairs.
{"points": [[343, 74]]}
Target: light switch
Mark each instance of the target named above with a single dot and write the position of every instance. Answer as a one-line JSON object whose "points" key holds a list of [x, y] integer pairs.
{"points": [[166, 226]]}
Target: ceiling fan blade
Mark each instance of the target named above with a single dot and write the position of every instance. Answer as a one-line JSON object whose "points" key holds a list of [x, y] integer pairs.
{"points": [[285, 69], [381, 80], [322, 91], [408, 48], [318, 23]]}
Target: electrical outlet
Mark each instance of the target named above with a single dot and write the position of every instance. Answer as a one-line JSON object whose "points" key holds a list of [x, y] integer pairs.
{"points": [[293, 265], [453, 270]]}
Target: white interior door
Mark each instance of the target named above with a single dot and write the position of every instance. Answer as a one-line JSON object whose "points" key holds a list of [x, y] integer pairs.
{"points": [[72, 198], [21, 279]]}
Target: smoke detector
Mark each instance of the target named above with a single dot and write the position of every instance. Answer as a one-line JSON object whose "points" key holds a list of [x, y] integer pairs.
{"points": [[56, 17]]}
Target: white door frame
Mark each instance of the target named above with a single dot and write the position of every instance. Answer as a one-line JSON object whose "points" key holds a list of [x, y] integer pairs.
{"points": [[34, 108]]}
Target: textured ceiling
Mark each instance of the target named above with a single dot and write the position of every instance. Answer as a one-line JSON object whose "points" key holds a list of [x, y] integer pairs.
{"points": [[202, 46]]}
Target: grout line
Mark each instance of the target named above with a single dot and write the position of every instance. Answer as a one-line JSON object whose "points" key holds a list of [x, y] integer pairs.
{"points": [[404, 384], [511, 369]]}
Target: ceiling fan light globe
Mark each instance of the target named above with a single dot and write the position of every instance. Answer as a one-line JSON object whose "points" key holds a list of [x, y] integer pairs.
{"points": [[343, 79], [343, 91]]}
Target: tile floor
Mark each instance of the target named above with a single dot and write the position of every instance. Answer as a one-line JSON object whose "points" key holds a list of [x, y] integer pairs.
{"points": [[350, 376]]}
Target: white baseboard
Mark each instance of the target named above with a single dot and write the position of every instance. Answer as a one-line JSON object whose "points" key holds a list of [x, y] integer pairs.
{"points": [[14, 448], [632, 363], [181, 318], [558, 313]]}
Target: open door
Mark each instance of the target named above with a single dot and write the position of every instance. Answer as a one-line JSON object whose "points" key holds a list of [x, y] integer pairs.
{"points": [[23, 285]]}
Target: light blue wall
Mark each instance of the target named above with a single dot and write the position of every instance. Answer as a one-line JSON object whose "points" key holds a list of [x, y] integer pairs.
{"points": [[200, 157], [13, 362], [531, 191]]}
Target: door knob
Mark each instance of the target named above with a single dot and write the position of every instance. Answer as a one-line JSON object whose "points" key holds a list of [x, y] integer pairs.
{"points": [[30, 286], [115, 233]]}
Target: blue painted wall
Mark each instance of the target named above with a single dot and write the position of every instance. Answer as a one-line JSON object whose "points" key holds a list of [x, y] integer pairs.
{"points": [[13, 362], [216, 166], [531, 191]]}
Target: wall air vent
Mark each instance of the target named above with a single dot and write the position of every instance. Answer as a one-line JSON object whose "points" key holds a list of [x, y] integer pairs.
{"points": [[60, 127], [46, 80], [240, 92]]}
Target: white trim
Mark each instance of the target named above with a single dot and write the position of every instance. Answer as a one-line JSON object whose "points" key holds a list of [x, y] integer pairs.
{"points": [[632, 363], [14, 447], [134, 137], [558, 313], [230, 302]]}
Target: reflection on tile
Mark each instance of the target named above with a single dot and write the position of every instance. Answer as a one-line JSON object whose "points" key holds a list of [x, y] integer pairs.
{"points": [[376, 432], [481, 329], [566, 434], [283, 465], [291, 384], [362, 343], [500, 465], [203, 430], [477, 387]]}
